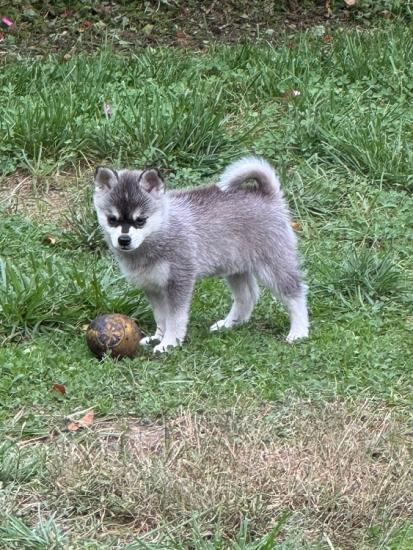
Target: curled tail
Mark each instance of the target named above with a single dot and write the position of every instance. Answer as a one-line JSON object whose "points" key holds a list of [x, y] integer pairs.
{"points": [[250, 168]]}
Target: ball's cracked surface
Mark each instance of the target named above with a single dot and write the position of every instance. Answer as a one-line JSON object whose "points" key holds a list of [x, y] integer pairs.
{"points": [[114, 334]]}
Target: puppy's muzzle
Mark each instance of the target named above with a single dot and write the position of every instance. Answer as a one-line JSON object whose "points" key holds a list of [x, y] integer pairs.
{"points": [[124, 241]]}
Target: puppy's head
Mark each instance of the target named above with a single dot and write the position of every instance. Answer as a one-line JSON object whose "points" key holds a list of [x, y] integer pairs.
{"points": [[128, 205]]}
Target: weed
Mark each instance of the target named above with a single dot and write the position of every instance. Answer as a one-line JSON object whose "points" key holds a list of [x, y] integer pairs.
{"points": [[17, 465], [369, 276], [45, 292], [82, 221], [17, 535], [202, 110]]}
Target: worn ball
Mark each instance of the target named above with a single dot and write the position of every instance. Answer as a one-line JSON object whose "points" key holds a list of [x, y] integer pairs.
{"points": [[114, 334]]}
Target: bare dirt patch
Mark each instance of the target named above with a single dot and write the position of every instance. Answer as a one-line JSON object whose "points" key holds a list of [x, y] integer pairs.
{"points": [[339, 469], [43, 199]]}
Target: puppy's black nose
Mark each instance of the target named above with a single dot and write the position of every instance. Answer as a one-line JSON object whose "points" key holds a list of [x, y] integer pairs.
{"points": [[124, 240]]}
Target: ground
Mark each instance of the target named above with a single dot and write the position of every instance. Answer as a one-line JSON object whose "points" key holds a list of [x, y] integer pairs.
{"points": [[236, 440], [67, 27]]}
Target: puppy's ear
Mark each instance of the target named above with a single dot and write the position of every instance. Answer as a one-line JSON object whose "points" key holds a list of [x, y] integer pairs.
{"points": [[105, 178], [151, 182]]}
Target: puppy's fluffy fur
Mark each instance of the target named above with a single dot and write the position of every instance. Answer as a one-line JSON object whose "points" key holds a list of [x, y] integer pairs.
{"points": [[164, 241]]}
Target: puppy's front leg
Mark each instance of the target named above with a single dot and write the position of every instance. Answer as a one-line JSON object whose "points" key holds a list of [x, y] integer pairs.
{"points": [[178, 302], [158, 301]]}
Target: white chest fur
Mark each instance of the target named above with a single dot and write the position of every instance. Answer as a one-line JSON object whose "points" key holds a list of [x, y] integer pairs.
{"points": [[149, 277]]}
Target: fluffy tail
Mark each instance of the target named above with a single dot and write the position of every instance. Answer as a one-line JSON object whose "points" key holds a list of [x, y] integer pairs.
{"points": [[250, 168]]}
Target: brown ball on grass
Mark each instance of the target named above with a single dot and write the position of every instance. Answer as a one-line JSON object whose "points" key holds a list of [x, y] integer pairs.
{"points": [[115, 334]]}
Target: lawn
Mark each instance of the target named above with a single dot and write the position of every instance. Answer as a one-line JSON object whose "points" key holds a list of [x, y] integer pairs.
{"points": [[235, 440]]}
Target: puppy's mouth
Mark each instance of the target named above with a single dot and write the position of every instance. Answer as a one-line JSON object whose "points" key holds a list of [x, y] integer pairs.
{"points": [[126, 248]]}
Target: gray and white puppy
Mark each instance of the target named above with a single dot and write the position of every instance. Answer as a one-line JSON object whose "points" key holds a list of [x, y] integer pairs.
{"points": [[165, 241]]}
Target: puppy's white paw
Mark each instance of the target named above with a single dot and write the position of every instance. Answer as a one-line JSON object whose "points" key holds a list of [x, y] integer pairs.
{"points": [[157, 337], [296, 334], [219, 325], [148, 340], [163, 346]]}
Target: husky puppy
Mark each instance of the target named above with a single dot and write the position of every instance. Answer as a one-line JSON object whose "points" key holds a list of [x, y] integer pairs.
{"points": [[165, 241]]}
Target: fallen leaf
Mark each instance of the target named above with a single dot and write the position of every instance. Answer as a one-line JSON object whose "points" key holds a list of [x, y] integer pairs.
{"points": [[329, 11], [182, 38], [49, 239], [85, 422], [61, 388]]}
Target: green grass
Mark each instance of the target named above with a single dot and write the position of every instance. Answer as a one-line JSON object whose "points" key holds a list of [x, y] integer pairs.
{"points": [[343, 150], [201, 110]]}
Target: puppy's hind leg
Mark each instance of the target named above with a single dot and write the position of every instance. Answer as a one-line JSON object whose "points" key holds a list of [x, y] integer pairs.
{"points": [[297, 309], [245, 290], [292, 292]]}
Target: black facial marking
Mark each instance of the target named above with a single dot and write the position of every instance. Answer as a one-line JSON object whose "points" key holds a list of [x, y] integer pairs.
{"points": [[128, 198], [126, 224], [140, 222]]}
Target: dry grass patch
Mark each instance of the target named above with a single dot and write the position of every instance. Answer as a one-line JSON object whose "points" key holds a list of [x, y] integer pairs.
{"points": [[338, 468]]}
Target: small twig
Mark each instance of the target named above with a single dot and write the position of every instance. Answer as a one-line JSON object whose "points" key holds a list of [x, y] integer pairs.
{"points": [[77, 413], [330, 544], [50, 436], [211, 7], [14, 191]]}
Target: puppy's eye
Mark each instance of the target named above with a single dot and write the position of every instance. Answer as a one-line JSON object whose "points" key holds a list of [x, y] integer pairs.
{"points": [[140, 222], [113, 220]]}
